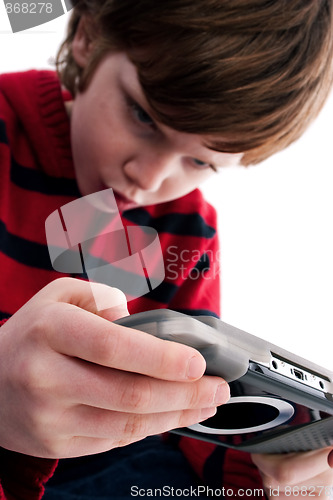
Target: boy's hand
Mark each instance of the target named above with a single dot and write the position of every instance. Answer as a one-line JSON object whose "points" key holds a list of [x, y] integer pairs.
{"points": [[72, 383], [301, 475]]}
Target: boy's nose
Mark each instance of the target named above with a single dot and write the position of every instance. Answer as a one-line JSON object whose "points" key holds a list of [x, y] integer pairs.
{"points": [[149, 173]]}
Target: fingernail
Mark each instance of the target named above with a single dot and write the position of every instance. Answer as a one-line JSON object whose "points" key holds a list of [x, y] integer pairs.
{"points": [[195, 368], [207, 413], [221, 394]]}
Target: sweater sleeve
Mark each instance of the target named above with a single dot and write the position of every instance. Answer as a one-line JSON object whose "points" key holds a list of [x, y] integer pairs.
{"points": [[21, 476]]}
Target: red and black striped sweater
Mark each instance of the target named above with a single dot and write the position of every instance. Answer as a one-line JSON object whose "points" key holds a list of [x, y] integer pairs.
{"points": [[36, 178]]}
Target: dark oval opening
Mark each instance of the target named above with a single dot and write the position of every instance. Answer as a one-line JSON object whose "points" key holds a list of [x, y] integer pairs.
{"points": [[242, 415]]}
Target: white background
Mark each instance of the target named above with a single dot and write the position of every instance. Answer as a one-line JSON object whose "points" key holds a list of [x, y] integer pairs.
{"points": [[275, 223]]}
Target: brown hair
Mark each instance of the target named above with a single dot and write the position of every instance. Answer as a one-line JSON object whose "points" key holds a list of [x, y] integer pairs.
{"points": [[255, 72]]}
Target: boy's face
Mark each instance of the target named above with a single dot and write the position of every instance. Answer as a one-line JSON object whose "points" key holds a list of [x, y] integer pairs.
{"points": [[116, 143]]}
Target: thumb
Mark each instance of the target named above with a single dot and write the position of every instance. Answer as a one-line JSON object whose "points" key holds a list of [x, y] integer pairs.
{"points": [[111, 302], [102, 300]]}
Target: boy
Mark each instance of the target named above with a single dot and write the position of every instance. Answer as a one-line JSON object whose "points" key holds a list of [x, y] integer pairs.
{"points": [[161, 94]]}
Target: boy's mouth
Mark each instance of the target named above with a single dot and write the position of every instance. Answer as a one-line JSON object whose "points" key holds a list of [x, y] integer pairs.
{"points": [[123, 202]]}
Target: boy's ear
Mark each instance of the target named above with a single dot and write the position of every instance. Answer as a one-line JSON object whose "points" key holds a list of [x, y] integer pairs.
{"points": [[83, 42]]}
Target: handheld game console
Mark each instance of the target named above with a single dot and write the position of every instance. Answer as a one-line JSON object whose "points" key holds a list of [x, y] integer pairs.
{"points": [[279, 401]]}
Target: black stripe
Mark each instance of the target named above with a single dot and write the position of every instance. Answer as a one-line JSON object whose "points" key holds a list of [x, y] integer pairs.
{"points": [[3, 133], [176, 223], [36, 255], [174, 439], [163, 293], [131, 282], [38, 181], [203, 264], [4, 315], [24, 251]]}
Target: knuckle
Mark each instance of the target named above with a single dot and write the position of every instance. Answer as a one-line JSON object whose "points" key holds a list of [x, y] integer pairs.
{"points": [[54, 437], [37, 423], [41, 329], [170, 359], [188, 417], [30, 377], [135, 426], [40, 324], [137, 395], [35, 387], [283, 474], [194, 398], [52, 448], [108, 347]]}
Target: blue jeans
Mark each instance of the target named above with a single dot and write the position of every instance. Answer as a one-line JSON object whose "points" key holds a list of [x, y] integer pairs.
{"points": [[129, 472]]}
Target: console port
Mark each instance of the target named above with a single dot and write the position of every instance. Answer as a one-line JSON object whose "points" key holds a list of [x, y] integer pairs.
{"points": [[299, 374]]}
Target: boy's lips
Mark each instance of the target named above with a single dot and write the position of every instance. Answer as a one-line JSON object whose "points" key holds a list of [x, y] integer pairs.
{"points": [[123, 202]]}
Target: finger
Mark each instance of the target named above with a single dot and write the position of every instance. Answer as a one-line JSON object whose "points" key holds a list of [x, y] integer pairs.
{"points": [[112, 301], [123, 391], [89, 339], [116, 429], [78, 333], [293, 468]]}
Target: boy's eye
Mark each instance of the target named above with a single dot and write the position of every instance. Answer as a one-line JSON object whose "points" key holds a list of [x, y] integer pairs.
{"points": [[203, 164], [200, 163], [141, 115]]}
